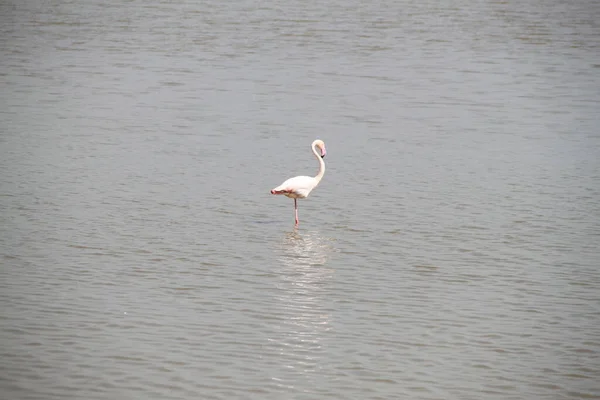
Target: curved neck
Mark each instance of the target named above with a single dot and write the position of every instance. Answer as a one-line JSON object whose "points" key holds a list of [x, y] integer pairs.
{"points": [[321, 164]]}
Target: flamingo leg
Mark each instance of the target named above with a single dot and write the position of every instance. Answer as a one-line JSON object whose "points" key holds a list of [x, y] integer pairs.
{"points": [[296, 211]]}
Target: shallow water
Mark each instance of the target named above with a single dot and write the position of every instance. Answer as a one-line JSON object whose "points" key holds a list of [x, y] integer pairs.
{"points": [[450, 252]]}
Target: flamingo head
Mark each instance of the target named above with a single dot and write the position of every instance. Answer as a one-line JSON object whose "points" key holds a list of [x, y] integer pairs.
{"points": [[321, 146]]}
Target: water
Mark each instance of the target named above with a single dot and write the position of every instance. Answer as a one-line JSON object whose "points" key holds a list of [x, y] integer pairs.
{"points": [[450, 252]]}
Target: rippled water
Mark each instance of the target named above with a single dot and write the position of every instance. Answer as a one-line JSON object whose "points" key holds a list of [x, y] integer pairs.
{"points": [[450, 252]]}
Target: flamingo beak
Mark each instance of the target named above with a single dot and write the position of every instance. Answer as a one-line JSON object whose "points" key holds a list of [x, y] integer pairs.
{"points": [[323, 153]]}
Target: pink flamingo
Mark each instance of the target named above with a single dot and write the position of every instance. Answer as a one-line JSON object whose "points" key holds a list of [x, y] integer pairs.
{"points": [[300, 187]]}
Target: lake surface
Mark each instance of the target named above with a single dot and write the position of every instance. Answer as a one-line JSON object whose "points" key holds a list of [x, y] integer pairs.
{"points": [[450, 252]]}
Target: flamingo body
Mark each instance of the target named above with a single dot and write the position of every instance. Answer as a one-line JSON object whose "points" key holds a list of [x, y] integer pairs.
{"points": [[300, 187]]}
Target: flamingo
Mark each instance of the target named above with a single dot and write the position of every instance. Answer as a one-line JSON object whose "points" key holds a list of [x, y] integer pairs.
{"points": [[299, 187]]}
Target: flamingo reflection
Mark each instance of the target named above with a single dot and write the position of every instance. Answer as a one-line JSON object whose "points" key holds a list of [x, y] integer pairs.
{"points": [[305, 280]]}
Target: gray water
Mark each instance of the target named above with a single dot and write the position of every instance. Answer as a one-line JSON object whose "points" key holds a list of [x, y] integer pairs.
{"points": [[450, 252]]}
